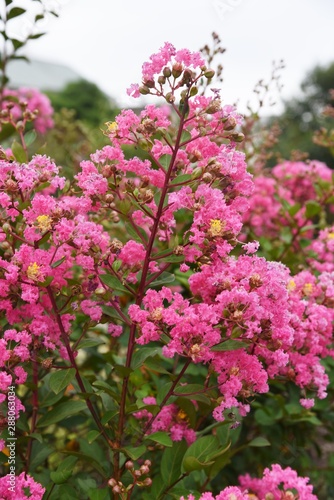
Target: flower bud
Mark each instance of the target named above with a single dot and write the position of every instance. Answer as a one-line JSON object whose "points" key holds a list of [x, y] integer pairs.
{"points": [[129, 465], [162, 80], [239, 137], [230, 123], [193, 91], [170, 97], [144, 90], [213, 107], [177, 69], [147, 481], [166, 72], [209, 73]]}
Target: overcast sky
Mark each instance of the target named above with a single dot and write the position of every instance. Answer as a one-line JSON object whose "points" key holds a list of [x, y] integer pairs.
{"points": [[106, 41]]}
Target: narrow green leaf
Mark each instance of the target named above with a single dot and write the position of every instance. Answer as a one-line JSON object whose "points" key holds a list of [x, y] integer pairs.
{"points": [[92, 435], [88, 458], [113, 283], [197, 455], [142, 354], [163, 279], [61, 379], [18, 152], [181, 178], [58, 262], [312, 208], [48, 280], [259, 442], [161, 438], [85, 343], [64, 471], [61, 412], [134, 452], [15, 12], [229, 345], [34, 37], [171, 461]]}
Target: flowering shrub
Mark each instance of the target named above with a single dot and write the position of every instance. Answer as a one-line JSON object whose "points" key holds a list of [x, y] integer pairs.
{"points": [[138, 322]]}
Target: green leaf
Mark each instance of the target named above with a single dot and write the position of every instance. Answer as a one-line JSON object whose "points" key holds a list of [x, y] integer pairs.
{"points": [[229, 345], [92, 435], [134, 452], [15, 12], [88, 458], [113, 283], [161, 438], [171, 462], [181, 178], [64, 471], [40, 452], [17, 44], [312, 208], [111, 312], [61, 412], [197, 456], [294, 209], [61, 379], [34, 37], [164, 160], [259, 442], [19, 153], [134, 235], [183, 390], [99, 494], [48, 280], [85, 343], [163, 279], [142, 354], [58, 262]]}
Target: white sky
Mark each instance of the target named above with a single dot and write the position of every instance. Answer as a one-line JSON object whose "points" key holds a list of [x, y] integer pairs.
{"points": [[106, 41]]}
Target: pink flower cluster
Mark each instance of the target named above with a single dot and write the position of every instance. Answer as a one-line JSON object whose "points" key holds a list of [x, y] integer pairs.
{"points": [[34, 101], [25, 488], [291, 182], [170, 419], [276, 484]]}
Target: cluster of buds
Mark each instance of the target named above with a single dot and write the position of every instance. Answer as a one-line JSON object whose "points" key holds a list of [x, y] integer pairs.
{"points": [[140, 478]]}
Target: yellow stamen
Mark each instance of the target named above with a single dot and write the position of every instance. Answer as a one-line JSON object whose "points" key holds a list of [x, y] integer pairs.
{"points": [[330, 236], [308, 289], [33, 272], [291, 285], [216, 227], [111, 127], [44, 223]]}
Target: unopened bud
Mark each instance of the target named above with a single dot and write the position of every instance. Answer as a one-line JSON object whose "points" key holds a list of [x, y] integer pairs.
{"points": [[109, 198], [239, 137], [20, 126], [6, 227], [213, 107], [144, 90], [230, 123], [150, 84], [166, 72], [170, 97], [209, 73], [207, 178], [147, 481], [162, 80], [129, 465], [193, 91], [177, 69]]}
